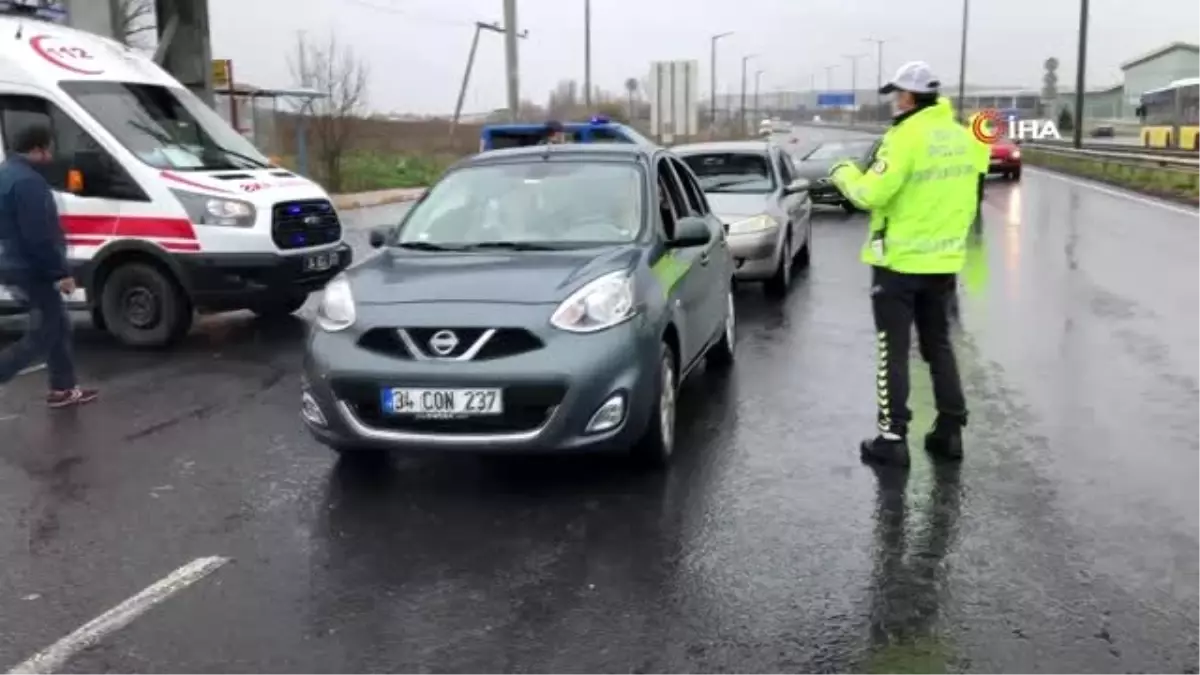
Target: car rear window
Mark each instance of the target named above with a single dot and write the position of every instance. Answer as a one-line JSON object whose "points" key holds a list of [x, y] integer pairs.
{"points": [[559, 202], [743, 172]]}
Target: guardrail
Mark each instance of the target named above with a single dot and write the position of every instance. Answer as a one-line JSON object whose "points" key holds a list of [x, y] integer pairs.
{"points": [[1120, 148]]}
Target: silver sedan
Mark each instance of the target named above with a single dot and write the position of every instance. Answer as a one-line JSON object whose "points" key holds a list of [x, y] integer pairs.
{"points": [[767, 210]]}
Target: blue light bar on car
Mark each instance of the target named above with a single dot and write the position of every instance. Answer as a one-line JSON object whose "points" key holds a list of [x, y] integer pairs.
{"points": [[600, 119]]}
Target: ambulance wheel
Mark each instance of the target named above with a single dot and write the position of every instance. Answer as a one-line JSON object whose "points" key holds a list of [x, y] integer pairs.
{"points": [[143, 307], [280, 307]]}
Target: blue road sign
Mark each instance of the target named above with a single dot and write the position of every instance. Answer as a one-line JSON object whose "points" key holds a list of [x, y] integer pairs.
{"points": [[835, 99]]}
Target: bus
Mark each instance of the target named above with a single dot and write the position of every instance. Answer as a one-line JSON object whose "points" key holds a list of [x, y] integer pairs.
{"points": [[1170, 115]]}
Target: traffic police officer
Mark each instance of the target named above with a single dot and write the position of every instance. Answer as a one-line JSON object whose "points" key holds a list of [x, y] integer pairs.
{"points": [[921, 192]]}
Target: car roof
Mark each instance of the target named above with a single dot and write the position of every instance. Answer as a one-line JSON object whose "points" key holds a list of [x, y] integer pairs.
{"points": [[598, 151], [724, 146]]}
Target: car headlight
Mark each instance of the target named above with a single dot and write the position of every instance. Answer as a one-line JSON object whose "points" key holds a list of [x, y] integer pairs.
{"points": [[336, 311], [753, 225], [600, 304], [1016, 154], [208, 210]]}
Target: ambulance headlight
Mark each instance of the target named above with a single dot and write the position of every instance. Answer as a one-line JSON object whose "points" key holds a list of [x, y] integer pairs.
{"points": [[209, 210]]}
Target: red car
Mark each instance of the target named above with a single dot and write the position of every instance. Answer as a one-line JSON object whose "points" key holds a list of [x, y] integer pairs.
{"points": [[1006, 160]]}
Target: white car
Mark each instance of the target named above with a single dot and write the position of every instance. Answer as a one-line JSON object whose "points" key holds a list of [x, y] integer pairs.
{"points": [[766, 128]]}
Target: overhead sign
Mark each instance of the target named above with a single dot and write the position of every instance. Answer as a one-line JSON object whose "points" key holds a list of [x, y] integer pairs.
{"points": [[222, 73], [65, 54], [835, 99], [674, 94]]}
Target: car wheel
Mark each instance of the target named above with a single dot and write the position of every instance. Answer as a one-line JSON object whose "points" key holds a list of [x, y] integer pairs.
{"points": [[281, 307], [657, 445], [720, 356], [1015, 176], [777, 285], [804, 255], [142, 307]]}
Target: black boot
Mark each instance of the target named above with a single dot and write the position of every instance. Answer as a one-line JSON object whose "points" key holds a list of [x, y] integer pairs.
{"points": [[945, 439], [885, 451]]}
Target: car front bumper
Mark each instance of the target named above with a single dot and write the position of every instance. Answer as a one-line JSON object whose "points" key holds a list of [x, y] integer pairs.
{"points": [[1004, 166], [755, 255], [229, 281], [550, 394]]}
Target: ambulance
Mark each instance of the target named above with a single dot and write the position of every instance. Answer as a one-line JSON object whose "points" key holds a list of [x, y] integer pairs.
{"points": [[167, 210]]}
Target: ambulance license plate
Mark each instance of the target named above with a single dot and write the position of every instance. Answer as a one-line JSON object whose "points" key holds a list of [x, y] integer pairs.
{"points": [[321, 262]]}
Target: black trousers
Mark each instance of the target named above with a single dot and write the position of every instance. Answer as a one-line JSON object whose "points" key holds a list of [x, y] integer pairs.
{"points": [[898, 301]]}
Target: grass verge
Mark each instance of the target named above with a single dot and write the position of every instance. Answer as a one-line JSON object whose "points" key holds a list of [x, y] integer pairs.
{"points": [[368, 171], [1175, 183]]}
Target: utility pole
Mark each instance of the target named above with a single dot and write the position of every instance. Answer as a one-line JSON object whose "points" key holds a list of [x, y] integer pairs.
{"points": [[854, 84], [1080, 76], [462, 91], [757, 82], [745, 60], [587, 54], [879, 69], [829, 77], [511, 65], [962, 62], [712, 77]]}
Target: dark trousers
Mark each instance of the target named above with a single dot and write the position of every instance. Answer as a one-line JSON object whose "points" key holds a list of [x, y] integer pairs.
{"points": [[49, 335], [898, 301]]}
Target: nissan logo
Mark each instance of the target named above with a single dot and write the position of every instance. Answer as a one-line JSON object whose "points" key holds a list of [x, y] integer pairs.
{"points": [[443, 342], [312, 221]]}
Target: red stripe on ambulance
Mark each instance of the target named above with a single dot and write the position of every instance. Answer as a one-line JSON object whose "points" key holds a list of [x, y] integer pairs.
{"points": [[142, 227]]}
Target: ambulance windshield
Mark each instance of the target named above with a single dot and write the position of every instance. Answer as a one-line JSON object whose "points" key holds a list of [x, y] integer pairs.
{"points": [[166, 127]]}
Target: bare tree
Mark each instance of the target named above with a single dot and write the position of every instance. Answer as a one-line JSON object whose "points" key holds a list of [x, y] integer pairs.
{"points": [[134, 19], [339, 79]]}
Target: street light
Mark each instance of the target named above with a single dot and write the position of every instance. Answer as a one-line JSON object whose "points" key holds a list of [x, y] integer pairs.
{"points": [[1080, 79], [757, 82], [854, 83], [745, 60], [712, 109], [962, 62], [879, 66]]}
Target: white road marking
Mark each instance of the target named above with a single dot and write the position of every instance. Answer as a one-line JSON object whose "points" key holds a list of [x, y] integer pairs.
{"points": [[1149, 201], [32, 369], [56, 655]]}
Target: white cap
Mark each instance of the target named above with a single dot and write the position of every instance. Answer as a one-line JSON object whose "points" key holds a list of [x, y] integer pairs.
{"points": [[914, 76]]}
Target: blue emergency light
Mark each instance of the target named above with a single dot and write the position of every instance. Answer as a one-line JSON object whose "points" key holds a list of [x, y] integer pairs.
{"points": [[599, 119]]}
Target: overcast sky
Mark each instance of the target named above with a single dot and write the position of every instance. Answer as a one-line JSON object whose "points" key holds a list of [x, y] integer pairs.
{"points": [[416, 49]]}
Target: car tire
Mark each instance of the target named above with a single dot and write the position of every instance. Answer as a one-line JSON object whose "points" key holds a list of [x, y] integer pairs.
{"points": [[721, 355], [777, 285], [142, 306], [804, 255], [1015, 176], [280, 307], [656, 447]]}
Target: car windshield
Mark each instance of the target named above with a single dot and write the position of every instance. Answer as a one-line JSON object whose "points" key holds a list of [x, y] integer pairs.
{"points": [[166, 127], [844, 150], [538, 204], [742, 172]]}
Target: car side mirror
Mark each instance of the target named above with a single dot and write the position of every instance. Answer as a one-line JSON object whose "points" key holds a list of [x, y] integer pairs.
{"points": [[378, 237], [690, 232], [797, 186]]}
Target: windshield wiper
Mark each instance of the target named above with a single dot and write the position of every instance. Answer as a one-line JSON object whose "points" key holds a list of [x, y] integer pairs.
{"points": [[258, 163], [426, 246], [512, 246]]}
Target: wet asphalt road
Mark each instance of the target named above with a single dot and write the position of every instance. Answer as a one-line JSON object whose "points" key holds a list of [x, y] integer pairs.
{"points": [[1067, 542]]}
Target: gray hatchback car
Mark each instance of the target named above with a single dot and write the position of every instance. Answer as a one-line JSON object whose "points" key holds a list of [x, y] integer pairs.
{"points": [[544, 299]]}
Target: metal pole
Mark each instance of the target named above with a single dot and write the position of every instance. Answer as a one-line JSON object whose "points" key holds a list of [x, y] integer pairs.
{"points": [[854, 85], [879, 69], [1080, 75], [511, 58], [757, 81], [829, 77], [712, 109], [962, 62], [587, 54], [462, 91], [745, 60]]}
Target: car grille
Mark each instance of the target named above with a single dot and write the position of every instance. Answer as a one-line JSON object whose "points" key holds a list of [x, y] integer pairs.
{"points": [[526, 407], [503, 342], [302, 224]]}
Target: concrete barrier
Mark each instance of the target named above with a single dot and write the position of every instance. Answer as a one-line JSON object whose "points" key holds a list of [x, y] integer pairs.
{"points": [[363, 200]]}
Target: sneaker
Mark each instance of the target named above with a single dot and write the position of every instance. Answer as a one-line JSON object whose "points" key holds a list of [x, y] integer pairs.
{"points": [[885, 449], [945, 441], [70, 397]]}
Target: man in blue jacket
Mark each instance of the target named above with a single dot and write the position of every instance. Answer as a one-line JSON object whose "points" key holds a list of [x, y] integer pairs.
{"points": [[33, 262]]}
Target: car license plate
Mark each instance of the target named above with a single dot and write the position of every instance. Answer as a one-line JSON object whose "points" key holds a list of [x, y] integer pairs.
{"points": [[321, 262], [443, 402], [997, 162]]}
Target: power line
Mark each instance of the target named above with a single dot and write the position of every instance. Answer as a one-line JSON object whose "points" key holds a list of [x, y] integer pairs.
{"points": [[404, 11]]}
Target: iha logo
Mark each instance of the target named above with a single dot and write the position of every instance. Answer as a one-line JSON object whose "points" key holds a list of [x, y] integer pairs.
{"points": [[990, 126]]}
